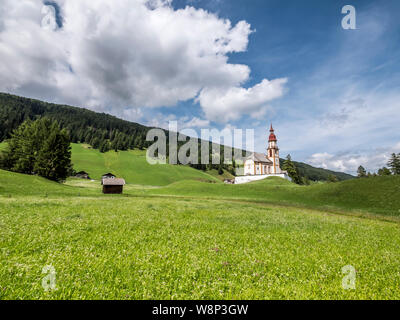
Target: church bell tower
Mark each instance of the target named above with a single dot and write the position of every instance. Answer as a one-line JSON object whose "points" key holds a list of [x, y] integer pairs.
{"points": [[273, 152]]}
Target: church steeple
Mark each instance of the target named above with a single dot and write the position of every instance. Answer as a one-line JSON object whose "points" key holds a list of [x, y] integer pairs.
{"points": [[273, 150], [272, 136]]}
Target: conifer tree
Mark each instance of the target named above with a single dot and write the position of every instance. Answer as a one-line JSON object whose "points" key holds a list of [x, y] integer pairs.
{"points": [[361, 172], [54, 158], [291, 169], [384, 172], [39, 147], [394, 163]]}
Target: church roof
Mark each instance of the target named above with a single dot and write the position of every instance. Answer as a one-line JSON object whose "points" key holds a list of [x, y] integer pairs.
{"points": [[259, 157]]}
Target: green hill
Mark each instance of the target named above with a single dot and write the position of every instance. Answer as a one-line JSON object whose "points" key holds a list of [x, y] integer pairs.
{"points": [[95, 128], [124, 246], [319, 174], [200, 240], [380, 195], [132, 166], [16, 184]]}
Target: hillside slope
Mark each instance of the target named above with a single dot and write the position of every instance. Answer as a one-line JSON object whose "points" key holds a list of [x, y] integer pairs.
{"points": [[91, 127], [319, 174], [16, 184], [380, 195], [138, 247], [375, 195], [132, 166]]}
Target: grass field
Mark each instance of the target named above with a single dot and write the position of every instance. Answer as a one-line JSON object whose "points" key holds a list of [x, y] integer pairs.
{"points": [[192, 240], [132, 166], [378, 195], [175, 235]]}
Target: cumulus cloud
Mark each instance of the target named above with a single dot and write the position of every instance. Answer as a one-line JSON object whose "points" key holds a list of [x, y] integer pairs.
{"points": [[196, 122], [124, 53], [226, 104], [371, 160], [160, 120]]}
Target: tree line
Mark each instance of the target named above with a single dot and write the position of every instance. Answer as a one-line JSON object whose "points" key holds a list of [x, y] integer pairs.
{"points": [[393, 168]]}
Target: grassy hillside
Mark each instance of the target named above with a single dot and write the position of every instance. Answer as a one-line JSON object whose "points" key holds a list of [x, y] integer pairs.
{"points": [[16, 185], [379, 195], [132, 166], [129, 247], [86, 126], [222, 177], [319, 174]]}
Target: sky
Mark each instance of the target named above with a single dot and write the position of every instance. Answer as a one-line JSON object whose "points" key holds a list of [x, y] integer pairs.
{"points": [[332, 94]]}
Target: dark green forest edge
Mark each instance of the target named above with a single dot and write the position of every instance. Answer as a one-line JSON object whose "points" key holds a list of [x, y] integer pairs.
{"points": [[106, 132]]}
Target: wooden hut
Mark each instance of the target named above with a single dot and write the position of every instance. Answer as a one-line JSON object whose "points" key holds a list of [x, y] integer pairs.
{"points": [[113, 186], [82, 175]]}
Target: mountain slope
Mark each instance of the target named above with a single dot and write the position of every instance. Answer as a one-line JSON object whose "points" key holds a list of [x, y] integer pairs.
{"points": [[133, 167], [94, 128], [318, 174]]}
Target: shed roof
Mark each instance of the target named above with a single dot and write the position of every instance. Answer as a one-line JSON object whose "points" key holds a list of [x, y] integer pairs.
{"points": [[113, 182], [109, 174]]}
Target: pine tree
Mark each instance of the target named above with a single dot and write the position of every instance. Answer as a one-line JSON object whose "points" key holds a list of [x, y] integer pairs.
{"points": [[54, 159], [361, 172], [39, 147], [291, 169], [102, 147], [95, 143], [139, 144], [394, 163], [305, 181], [384, 172], [13, 151]]}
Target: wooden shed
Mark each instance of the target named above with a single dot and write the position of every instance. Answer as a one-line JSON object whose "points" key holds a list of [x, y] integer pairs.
{"points": [[82, 175], [113, 186]]}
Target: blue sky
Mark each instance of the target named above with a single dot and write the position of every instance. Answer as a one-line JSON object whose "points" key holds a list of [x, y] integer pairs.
{"points": [[327, 67], [332, 94]]}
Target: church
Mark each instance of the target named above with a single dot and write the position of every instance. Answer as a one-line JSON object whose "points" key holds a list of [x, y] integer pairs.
{"points": [[259, 166]]}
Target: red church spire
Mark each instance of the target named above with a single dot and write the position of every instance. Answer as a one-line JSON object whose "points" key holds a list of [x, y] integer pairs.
{"points": [[272, 136]]}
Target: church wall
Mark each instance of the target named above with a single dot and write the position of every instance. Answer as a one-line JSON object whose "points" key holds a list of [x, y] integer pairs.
{"points": [[247, 179]]}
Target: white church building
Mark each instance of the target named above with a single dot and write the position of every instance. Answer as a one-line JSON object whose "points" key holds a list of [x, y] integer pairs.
{"points": [[259, 166]]}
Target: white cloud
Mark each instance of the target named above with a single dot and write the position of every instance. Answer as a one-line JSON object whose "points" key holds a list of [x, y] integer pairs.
{"points": [[160, 120], [196, 123], [114, 54], [372, 160], [224, 104]]}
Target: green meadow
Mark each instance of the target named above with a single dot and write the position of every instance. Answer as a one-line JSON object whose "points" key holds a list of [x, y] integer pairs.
{"points": [[132, 166], [179, 233]]}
